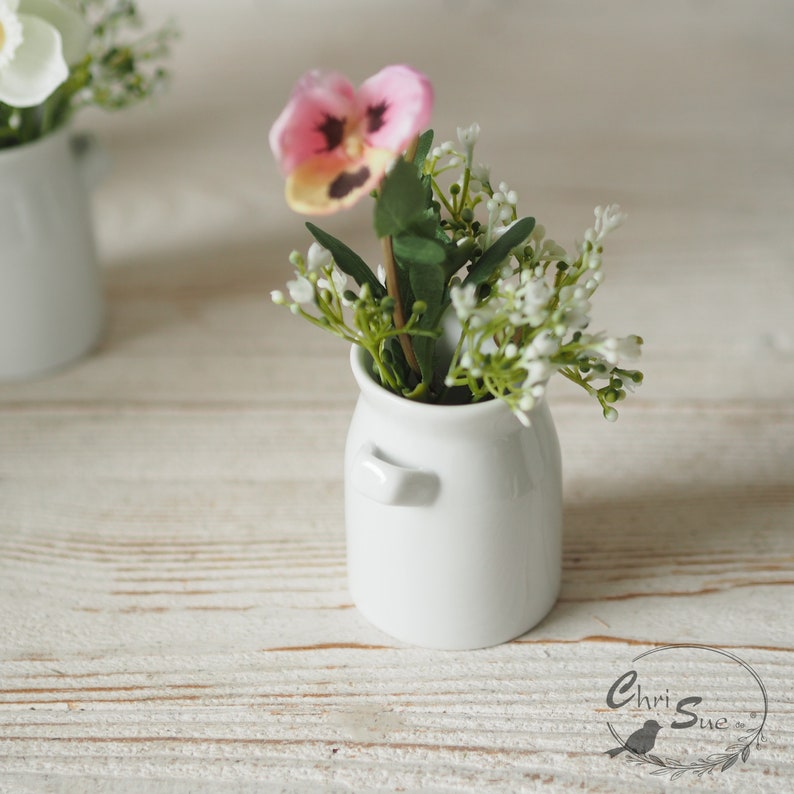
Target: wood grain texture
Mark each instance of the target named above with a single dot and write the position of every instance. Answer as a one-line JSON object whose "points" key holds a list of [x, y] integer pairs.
{"points": [[174, 616]]}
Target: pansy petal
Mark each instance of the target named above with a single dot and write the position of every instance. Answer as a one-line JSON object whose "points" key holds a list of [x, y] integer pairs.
{"points": [[324, 184], [314, 119], [75, 32], [395, 105], [38, 67]]}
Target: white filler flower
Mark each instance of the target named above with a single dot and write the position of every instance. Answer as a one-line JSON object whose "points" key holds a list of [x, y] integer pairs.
{"points": [[32, 64]]}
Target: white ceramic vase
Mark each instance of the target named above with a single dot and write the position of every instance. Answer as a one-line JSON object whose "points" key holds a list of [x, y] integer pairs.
{"points": [[51, 302], [453, 517]]}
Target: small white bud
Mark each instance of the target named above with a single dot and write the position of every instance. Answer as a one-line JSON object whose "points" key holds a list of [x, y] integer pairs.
{"points": [[480, 172], [317, 258], [527, 402], [468, 137], [301, 290]]}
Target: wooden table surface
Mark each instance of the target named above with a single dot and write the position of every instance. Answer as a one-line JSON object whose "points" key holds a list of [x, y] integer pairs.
{"points": [[173, 606]]}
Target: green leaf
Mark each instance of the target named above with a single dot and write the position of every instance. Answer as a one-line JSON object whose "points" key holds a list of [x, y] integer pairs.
{"points": [[423, 350], [348, 261], [427, 284], [402, 200], [417, 251], [457, 256], [423, 148], [493, 258]]}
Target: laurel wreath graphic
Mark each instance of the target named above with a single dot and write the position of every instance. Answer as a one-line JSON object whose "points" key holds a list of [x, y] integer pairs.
{"points": [[710, 764], [715, 761]]}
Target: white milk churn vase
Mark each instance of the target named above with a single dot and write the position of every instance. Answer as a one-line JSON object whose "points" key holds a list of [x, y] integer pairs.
{"points": [[51, 302], [453, 517]]}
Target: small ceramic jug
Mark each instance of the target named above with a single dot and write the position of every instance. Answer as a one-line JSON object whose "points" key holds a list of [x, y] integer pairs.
{"points": [[51, 303], [453, 517]]}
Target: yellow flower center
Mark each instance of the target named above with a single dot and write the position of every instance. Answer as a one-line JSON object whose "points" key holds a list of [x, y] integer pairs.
{"points": [[10, 34], [354, 145]]}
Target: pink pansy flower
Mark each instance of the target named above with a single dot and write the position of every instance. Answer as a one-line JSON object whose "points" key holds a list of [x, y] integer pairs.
{"points": [[335, 143]]}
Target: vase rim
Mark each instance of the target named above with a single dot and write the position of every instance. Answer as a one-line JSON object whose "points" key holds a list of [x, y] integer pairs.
{"points": [[373, 390], [22, 149]]}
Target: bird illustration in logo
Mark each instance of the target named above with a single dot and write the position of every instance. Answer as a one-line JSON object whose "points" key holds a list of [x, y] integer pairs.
{"points": [[641, 741]]}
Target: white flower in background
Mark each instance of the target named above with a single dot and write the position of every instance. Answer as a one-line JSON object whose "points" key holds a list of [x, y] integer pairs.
{"points": [[317, 258], [32, 63], [468, 136], [464, 300], [498, 231], [607, 220], [543, 345], [482, 173], [553, 250], [301, 290], [575, 306], [627, 348], [531, 299], [338, 284], [538, 373]]}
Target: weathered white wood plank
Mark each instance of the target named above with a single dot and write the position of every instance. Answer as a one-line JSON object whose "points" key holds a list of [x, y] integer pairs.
{"points": [[519, 715]]}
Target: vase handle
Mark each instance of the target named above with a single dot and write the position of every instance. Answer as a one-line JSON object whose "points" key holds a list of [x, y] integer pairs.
{"points": [[91, 157], [389, 484]]}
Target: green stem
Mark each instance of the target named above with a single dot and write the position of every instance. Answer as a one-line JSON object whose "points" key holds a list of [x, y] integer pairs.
{"points": [[464, 193], [441, 197], [393, 289], [383, 371], [333, 328], [576, 378]]}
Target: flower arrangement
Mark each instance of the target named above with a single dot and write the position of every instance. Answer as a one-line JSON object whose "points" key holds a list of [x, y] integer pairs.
{"points": [[57, 56], [471, 301]]}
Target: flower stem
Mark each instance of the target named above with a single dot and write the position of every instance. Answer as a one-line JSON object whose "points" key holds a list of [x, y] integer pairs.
{"points": [[442, 198], [393, 288]]}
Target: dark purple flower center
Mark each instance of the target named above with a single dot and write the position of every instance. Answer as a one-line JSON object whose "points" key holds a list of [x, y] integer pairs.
{"points": [[375, 116], [347, 182], [333, 130]]}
